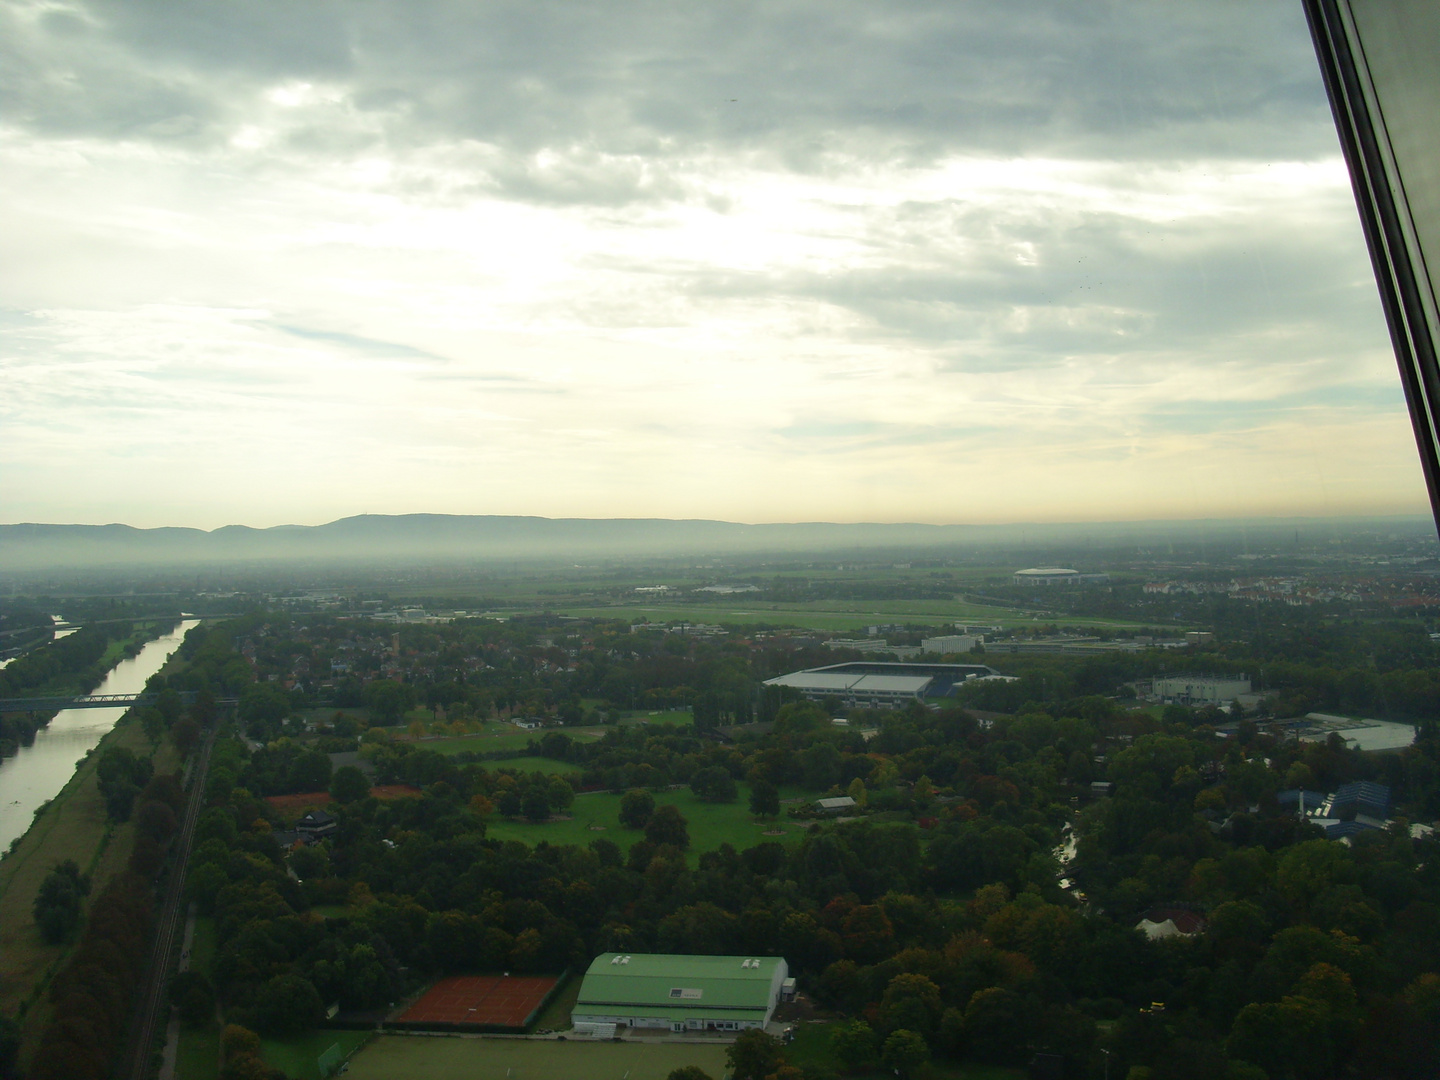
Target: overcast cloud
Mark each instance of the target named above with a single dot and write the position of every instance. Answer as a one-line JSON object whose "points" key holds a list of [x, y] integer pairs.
{"points": [[947, 262]]}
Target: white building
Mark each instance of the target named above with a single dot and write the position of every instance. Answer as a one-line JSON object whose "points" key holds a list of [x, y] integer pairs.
{"points": [[879, 684], [1056, 575], [1050, 575], [951, 643], [859, 644], [854, 688], [1200, 689]]}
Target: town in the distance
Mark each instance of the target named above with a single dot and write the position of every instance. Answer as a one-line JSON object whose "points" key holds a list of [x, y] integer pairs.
{"points": [[1123, 804]]}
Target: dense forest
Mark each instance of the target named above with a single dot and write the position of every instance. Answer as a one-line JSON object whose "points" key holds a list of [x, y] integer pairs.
{"points": [[949, 909]]}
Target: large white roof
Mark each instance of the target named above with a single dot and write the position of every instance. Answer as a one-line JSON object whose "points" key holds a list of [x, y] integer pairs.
{"points": [[1362, 734], [903, 684], [816, 680], [852, 681]]}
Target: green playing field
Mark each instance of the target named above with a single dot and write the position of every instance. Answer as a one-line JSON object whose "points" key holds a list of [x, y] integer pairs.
{"points": [[402, 1057]]}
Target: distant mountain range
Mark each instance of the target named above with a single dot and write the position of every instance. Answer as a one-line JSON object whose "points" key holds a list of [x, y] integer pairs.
{"points": [[373, 538]]}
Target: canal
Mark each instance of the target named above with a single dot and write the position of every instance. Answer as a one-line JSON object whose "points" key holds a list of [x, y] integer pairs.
{"points": [[37, 772]]}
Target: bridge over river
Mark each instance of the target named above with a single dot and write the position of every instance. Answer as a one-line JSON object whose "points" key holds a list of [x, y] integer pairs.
{"points": [[91, 701]]}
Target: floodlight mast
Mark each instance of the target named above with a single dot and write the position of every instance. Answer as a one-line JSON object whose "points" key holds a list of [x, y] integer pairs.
{"points": [[1377, 60]]}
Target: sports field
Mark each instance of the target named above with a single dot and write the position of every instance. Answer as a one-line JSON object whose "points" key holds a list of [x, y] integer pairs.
{"points": [[596, 815], [501, 1000], [404, 1057]]}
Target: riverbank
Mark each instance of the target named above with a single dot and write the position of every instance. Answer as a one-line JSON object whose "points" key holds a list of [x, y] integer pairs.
{"points": [[53, 790], [45, 761], [73, 825], [78, 661]]}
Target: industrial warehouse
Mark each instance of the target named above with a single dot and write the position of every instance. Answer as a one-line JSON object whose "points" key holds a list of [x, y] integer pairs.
{"points": [[879, 684], [679, 993]]}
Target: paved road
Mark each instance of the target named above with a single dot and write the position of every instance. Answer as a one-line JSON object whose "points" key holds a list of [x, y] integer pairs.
{"points": [[152, 1006]]}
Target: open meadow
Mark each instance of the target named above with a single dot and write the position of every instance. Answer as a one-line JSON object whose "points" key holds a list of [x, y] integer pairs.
{"points": [[299, 1057], [485, 744], [850, 616], [596, 815], [198, 1055], [612, 596], [531, 764], [403, 1057]]}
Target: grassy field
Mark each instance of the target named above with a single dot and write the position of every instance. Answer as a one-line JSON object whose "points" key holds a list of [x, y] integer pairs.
{"points": [[838, 614], [531, 764], [484, 744], [297, 1057], [556, 1015], [198, 1057], [402, 1057], [428, 716], [116, 650], [682, 717], [597, 816], [502, 736], [72, 826]]}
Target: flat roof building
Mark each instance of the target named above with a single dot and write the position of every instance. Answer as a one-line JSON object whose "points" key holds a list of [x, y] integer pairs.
{"points": [[875, 683], [1046, 575], [680, 993], [1057, 575], [1200, 689], [950, 643], [855, 689], [1373, 735]]}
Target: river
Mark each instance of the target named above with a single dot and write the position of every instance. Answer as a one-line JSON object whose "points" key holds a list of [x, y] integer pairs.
{"points": [[37, 772], [55, 636]]}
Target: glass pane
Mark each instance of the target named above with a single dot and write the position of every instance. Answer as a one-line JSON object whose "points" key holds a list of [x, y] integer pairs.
{"points": [[1399, 39]]}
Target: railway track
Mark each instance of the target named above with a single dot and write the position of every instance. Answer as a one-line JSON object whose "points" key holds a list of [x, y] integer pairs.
{"points": [[151, 1005]]}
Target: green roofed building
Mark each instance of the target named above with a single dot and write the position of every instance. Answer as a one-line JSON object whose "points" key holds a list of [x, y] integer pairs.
{"points": [[680, 993]]}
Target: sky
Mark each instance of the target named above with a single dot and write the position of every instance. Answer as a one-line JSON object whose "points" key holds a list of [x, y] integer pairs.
{"points": [[799, 260]]}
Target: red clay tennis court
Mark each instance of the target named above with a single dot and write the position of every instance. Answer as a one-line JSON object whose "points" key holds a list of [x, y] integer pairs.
{"points": [[500, 1000]]}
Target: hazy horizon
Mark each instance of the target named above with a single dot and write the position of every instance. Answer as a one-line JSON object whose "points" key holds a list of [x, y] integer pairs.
{"points": [[930, 263], [1422, 515], [430, 538]]}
